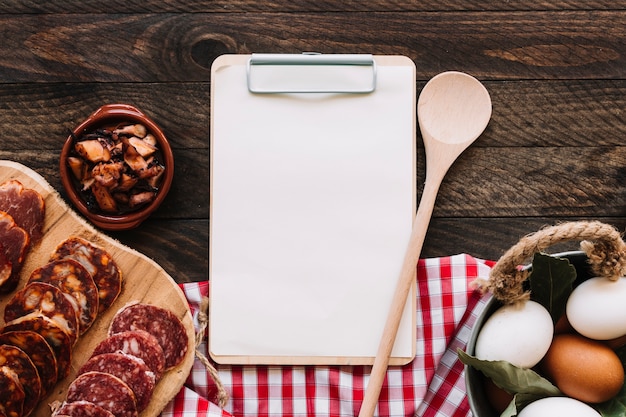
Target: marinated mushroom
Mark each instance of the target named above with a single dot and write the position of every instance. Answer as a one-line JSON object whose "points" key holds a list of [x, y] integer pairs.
{"points": [[117, 169]]}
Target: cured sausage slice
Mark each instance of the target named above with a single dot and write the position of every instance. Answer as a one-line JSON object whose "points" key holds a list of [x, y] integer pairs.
{"points": [[20, 363], [105, 272], [159, 322], [56, 337], [49, 301], [12, 394], [5, 266], [81, 409], [138, 343], [105, 390], [39, 351], [15, 242], [26, 206], [130, 369], [72, 278]]}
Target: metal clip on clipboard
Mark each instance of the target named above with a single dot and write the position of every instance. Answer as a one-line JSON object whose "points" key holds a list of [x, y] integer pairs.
{"points": [[311, 73]]}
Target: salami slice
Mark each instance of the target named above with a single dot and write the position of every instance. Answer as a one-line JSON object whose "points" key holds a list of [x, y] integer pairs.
{"points": [[5, 266], [105, 272], [105, 390], [56, 337], [12, 393], [49, 301], [81, 409], [138, 343], [130, 369], [15, 358], [72, 278], [160, 323], [39, 351], [15, 242], [26, 206]]}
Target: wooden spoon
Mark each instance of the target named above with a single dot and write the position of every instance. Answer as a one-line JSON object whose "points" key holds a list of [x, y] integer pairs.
{"points": [[453, 110]]}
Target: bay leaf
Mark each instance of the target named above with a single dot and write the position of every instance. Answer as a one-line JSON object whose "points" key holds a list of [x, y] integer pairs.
{"points": [[518, 403], [511, 378], [551, 280]]}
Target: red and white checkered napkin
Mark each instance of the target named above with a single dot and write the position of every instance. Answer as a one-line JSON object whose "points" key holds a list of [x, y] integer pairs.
{"points": [[431, 385]]}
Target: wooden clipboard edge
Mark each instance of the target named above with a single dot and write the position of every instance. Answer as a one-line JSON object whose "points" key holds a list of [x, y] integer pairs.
{"points": [[228, 60]]}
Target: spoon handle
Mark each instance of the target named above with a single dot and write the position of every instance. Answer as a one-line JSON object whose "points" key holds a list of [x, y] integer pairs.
{"points": [[403, 289]]}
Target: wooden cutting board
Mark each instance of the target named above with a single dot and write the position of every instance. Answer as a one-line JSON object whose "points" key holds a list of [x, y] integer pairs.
{"points": [[144, 281]]}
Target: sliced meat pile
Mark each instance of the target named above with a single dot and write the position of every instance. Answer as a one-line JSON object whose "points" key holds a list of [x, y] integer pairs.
{"points": [[105, 272], [26, 206], [77, 283], [123, 370], [22, 213], [159, 322], [45, 319], [18, 361], [12, 395]]}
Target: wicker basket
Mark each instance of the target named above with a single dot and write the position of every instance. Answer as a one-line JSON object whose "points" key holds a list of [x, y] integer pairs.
{"points": [[602, 254]]}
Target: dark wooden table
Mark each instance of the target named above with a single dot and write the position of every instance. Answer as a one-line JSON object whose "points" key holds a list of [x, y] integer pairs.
{"points": [[556, 71]]}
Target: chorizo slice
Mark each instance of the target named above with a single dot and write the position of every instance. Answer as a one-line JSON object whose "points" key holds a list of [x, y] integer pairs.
{"points": [[25, 205], [159, 322], [105, 390], [5, 266], [47, 300], [16, 359], [81, 409], [72, 278], [105, 273], [12, 393], [56, 337], [130, 369], [138, 343], [39, 351], [15, 242]]}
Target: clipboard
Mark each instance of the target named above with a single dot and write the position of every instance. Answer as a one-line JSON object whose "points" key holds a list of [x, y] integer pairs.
{"points": [[312, 199]]}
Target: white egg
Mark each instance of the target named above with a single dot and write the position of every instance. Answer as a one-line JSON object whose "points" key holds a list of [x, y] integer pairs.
{"points": [[597, 308], [519, 333], [558, 407]]}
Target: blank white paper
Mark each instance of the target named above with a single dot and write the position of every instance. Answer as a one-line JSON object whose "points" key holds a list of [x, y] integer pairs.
{"points": [[312, 203]]}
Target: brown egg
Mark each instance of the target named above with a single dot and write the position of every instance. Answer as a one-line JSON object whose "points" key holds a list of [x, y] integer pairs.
{"points": [[563, 325], [583, 369], [498, 398]]}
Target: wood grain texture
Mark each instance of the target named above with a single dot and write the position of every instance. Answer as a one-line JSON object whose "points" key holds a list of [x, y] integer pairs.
{"points": [[156, 47], [143, 281], [556, 73], [116, 6]]}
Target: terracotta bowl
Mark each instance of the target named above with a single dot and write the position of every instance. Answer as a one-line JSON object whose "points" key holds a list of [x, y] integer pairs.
{"points": [[474, 379], [107, 116]]}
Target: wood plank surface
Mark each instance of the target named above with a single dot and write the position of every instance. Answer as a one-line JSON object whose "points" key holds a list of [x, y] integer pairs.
{"points": [[217, 6], [73, 47], [556, 72]]}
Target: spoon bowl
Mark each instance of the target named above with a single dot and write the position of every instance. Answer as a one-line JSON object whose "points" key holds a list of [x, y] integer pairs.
{"points": [[453, 109]]}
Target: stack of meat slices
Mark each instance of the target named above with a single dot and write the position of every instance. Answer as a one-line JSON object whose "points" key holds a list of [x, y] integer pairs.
{"points": [[45, 319], [118, 380], [22, 212]]}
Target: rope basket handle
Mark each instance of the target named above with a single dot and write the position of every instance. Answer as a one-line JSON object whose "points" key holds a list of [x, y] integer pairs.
{"points": [[602, 243]]}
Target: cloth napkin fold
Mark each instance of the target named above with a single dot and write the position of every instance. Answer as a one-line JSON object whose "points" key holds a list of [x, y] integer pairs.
{"points": [[432, 385]]}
